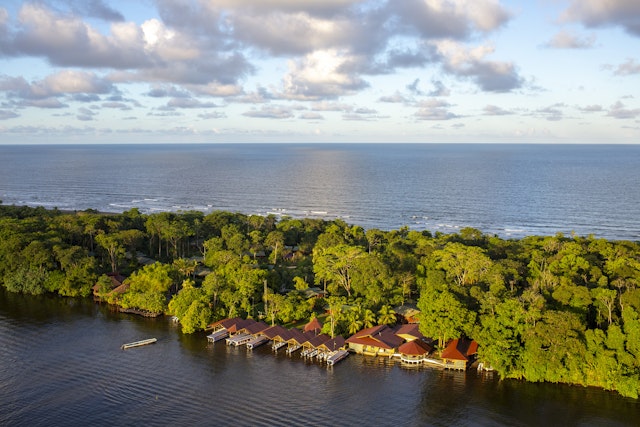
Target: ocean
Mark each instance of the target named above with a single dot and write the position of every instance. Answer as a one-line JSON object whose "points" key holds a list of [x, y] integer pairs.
{"points": [[510, 190]]}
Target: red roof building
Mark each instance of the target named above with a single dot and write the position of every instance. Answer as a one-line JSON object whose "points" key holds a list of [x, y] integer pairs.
{"points": [[459, 353], [276, 331], [255, 328], [408, 332], [316, 341], [116, 286], [332, 345], [377, 340], [314, 326]]}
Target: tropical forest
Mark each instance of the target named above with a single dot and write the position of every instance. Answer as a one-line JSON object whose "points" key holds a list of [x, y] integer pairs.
{"points": [[561, 309]]}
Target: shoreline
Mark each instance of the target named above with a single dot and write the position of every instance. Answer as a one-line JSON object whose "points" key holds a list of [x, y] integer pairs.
{"points": [[530, 284]]}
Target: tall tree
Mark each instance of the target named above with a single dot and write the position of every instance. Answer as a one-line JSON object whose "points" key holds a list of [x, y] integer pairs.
{"points": [[442, 315]]}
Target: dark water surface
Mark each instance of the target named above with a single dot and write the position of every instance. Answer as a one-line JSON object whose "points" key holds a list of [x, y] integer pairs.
{"points": [[507, 189], [61, 365]]}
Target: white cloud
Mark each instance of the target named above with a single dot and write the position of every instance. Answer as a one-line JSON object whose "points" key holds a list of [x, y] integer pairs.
{"points": [[68, 41], [493, 110], [292, 5], [150, 52], [213, 115], [628, 68], [297, 33], [439, 89], [434, 110], [311, 116], [450, 18], [166, 43], [95, 9], [116, 105], [270, 112], [321, 75], [620, 111], [43, 103], [552, 113], [164, 90], [8, 114], [331, 106], [490, 76], [85, 114], [594, 108], [567, 40], [71, 81], [297, 59], [217, 89], [396, 98], [188, 103], [603, 13], [62, 83]]}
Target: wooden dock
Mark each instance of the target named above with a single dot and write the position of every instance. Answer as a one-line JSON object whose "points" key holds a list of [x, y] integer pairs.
{"points": [[218, 335], [277, 345], [257, 341], [239, 339], [336, 357], [139, 343]]}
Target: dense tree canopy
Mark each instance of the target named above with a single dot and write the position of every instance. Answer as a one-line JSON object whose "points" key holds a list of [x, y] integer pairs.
{"points": [[542, 308]]}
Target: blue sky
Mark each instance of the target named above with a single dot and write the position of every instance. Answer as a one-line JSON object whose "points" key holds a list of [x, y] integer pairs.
{"points": [[552, 71]]}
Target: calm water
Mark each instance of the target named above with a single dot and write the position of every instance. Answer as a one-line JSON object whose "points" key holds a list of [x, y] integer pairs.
{"points": [[61, 364], [509, 190]]}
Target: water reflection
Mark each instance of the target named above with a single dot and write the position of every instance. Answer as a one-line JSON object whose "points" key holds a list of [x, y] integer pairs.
{"points": [[62, 365]]}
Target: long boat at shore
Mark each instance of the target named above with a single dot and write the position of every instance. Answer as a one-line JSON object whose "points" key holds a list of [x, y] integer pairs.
{"points": [[139, 343]]}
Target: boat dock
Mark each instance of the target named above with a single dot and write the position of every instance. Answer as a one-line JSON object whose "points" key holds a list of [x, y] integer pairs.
{"points": [[277, 345], [252, 334], [336, 357], [139, 343], [218, 335], [257, 341], [239, 339]]}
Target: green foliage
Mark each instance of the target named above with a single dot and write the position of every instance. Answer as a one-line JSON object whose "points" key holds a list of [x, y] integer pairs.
{"points": [[27, 281], [543, 308], [191, 306], [463, 265], [386, 316], [501, 337], [442, 315], [148, 288]]}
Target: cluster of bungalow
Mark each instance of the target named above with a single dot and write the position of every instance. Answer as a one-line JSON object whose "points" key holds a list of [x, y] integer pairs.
{"points": [[405, 342], [311, 342]]}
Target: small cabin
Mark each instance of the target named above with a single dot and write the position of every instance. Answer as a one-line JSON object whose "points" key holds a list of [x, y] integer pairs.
{"points": [[459, 353], [414, 351], [377, 340]]}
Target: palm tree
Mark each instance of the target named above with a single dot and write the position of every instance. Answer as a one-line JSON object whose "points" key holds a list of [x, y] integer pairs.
{"points": [[386, 316], [355, 324], [368, 318], [186, 267]]}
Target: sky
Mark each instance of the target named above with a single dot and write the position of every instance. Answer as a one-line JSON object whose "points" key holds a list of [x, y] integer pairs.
{"points": [[548, 71]]}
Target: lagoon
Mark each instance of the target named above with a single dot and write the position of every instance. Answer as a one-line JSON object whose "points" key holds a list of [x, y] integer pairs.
{"points": [[62, 365]]}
